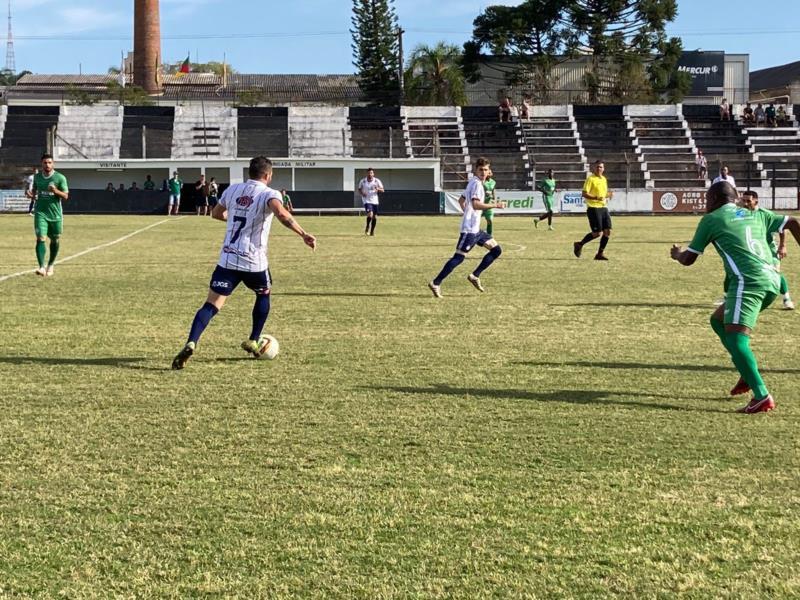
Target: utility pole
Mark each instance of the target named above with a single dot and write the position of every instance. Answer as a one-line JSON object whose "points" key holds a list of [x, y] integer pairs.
{"points": [[400, 32], [11, 64]]}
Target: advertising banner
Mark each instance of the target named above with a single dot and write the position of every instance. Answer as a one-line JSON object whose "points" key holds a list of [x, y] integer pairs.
{"points": [[525, 202], [679, 202], [707, 70]]}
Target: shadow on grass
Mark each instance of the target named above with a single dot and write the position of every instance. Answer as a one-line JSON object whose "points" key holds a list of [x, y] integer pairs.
{"points": [[347, 294], [637, 365], [707, 305], [123, 362], [604, 397]]}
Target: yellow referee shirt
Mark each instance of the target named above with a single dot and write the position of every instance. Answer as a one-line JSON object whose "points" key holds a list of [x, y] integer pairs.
{"points": [[596, 186]]}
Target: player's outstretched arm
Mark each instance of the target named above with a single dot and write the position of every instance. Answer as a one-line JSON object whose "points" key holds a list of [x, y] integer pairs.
{"points": [[782, 245], [478, 205], [685, 257], [288, 221]]}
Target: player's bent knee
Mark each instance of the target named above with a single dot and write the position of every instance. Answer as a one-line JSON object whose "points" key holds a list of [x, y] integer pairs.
{"points": [[496, 251]]}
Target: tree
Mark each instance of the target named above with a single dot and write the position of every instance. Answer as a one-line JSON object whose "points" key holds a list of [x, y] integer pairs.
{"points": [[217, 68], [131, 95], [632, 58], [376, 50], [535, 35], [434, 76], [8, 78]]}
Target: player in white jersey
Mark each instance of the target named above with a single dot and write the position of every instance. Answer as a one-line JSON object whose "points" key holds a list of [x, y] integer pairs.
{"points": [[248, 209], [29, 189], [725, 175], [473, 204], [369, 188]]}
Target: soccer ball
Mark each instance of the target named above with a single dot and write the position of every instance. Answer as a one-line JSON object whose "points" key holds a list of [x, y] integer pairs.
{"points": [[268, 347]]}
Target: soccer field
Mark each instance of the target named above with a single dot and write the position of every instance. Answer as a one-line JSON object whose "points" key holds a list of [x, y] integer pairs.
{"points": [[567, 433]]}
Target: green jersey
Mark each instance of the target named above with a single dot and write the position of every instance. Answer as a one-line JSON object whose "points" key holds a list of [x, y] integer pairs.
{"points": [[175, 186], [286, 200], [48, 205], [149, 185], [548, 188], [739, 235], [489, 186]]}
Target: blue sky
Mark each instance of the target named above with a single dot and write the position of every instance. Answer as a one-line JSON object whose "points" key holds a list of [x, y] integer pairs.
{"points": [[311, 36]]}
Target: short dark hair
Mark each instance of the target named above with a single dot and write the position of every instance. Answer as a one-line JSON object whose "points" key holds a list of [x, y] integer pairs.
{"points": [[45, 156], [723, 190], [260, 166], [597, 163], [482, 162], [752, 193]]}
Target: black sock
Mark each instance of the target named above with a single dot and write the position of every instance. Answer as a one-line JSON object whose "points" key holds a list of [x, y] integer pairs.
{"points": [[374, 222], [586, 239], [603, 243], [550, 218], [366, 228]]}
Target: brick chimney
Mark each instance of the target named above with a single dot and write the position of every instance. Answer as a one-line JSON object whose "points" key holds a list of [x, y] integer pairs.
{"points": [[147, 46]]}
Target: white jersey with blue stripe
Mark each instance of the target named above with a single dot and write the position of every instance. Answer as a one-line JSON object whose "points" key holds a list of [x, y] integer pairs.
{"points": [[249, 222], [471, 222]]}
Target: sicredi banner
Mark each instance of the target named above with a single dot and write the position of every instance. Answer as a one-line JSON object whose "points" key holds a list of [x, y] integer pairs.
{"points": [[679, 202], [707, 70], [525, 202]]}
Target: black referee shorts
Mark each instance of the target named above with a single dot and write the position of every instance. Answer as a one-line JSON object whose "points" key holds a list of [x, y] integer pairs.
{"points": [[599, 218]]}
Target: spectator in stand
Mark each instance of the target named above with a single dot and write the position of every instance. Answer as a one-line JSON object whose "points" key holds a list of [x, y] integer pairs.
{"points": [[213, 194], [121, 187], [287, 201], [110, 187], [175, 185], [781, 117], [770, 113], [164, 185], [725, 175], [525, 108], [505, 110], [747, 115], [201, 196], [134, 187], [760, 115], [702, 165], [149, 184], [724, 110]]}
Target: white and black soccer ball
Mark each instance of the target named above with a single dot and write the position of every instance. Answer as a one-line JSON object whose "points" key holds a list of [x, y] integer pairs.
{"points": [[268, 347]]}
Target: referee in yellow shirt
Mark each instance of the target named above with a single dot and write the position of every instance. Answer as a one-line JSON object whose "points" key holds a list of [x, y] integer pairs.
{"points": [[596, 195]]}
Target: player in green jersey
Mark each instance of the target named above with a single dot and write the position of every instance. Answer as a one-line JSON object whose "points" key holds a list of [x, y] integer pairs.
{"points": [[548, 188], [49, 190], [287, 201], [750, 200], [489, 186], [739, 236]]}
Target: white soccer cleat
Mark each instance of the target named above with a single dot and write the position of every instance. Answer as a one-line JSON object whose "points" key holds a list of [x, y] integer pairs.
{"points": [[476, 282], [719, 302], [550, 228], [41, 271], [788, 304], [437, 290], [50, 271]]}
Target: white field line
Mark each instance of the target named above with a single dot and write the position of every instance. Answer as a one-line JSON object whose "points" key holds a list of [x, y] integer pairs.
{"points": [[93, 248]]}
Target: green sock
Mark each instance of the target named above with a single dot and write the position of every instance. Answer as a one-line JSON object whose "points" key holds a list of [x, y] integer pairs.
{"points": [[745, 361], [55, 244], [489, 223], [40, 252], [719, 329], [784, 285]]}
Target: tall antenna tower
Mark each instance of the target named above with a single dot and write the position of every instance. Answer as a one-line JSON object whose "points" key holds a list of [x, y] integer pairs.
{"points": [[11, 63]]}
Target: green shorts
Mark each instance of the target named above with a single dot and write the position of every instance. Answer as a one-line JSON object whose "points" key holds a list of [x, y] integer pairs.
{"points": [[45, 228], [548, 204], [743, 308]]}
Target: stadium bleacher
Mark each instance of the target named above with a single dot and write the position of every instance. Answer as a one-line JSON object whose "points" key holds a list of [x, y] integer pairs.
{"points": [[319, 131], [552, 142], [25, 134], [605, 135], [723, 143], [778, 150], [502, 143], [667, 148], [378, 132], [204, 131], [439, 131], [89, 132], [262, 130], [147, 132]]}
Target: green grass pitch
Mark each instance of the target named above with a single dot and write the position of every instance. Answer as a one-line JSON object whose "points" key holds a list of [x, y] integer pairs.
{"points": [[567, 433]]}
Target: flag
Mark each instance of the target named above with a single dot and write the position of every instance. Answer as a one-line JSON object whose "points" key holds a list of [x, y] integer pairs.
{"points": [[184, 67]]}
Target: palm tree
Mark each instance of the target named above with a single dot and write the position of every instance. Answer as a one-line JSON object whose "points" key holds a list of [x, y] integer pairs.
{"points": [[434, 76]]}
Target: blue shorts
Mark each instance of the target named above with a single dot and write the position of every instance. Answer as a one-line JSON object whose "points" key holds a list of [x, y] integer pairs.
{"points": [[467, 241], [224, 281], [373, 208]]}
